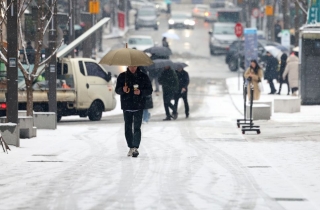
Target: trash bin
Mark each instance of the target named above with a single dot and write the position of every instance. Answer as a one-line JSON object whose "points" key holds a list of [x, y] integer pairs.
{"points": [[309, 56]]}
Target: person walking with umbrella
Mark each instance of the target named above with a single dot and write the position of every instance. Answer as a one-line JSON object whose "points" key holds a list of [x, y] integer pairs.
{"points": [[183, 78], [133, 86], [170, 84]]}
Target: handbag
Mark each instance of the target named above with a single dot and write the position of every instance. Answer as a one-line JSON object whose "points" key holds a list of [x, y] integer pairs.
{"points": [[149, 102]]}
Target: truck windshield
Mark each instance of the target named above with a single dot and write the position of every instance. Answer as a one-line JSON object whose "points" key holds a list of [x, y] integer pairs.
{"points": [[228, 16]]}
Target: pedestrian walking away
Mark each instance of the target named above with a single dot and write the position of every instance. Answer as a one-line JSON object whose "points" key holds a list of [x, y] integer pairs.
{"points": [[292, 71], [170, 84], [183, 78], [254, 76], [133, 86], [271, 71], [283, 63]]}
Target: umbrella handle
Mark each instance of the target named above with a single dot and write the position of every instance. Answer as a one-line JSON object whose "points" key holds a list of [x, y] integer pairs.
{"points": [[128, 89]]}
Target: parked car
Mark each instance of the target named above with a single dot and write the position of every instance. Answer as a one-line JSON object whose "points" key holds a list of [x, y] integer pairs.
{"points": [[146, 17], [136, 4], [140, 42], [221, 36], [181, 20], [199, 10]]}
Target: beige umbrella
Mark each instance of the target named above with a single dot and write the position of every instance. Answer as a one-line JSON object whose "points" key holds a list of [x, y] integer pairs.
{"points": [[126, 57]]}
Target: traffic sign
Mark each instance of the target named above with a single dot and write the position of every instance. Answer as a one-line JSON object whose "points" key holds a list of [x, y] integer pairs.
{"points": [[255, 12], [238, 30], [269, 10]]}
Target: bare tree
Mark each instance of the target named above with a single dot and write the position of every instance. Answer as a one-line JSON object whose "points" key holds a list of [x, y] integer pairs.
{"points": [[44, 16]]}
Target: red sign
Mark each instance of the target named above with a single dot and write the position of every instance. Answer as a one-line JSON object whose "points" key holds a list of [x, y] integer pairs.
{"points": [[121, 20], [238, 30], [255, 13]]}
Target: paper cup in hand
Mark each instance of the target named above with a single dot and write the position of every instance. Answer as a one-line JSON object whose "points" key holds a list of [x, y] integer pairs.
{"points": [[135, 87]]}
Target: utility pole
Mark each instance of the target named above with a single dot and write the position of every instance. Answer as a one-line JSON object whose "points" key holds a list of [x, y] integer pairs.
{"points": [[72, 11], [12, 67], [51, 71]]}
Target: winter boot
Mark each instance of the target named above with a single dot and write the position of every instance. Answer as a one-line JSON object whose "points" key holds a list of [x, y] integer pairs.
{"points": [[135, 152], [130, 152]]}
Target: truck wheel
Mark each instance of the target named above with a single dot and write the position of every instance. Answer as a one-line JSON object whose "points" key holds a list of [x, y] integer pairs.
{"points": [[95, 111]]}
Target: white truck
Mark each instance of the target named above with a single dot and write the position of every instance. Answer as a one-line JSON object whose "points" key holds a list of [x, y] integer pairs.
{"points": [[88, 89]]}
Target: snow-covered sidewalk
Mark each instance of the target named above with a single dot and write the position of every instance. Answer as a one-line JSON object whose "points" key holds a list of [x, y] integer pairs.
{"points": [[307, 113]]}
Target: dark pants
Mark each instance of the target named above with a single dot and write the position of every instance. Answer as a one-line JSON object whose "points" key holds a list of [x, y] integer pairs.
{"points": [[167, 104], [281, 82], [184, 96], [133, 136], [273, 89]]}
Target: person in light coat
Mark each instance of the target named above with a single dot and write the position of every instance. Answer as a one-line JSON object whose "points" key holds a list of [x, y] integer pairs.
{"points": [[254, 75], [292, 70]]}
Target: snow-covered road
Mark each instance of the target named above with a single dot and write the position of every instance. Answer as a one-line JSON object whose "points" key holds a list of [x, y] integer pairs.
{"points": [[203, 162]]}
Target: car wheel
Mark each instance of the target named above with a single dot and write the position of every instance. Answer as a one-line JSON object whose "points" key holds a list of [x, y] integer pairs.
{"points": [[95, 111], [59, 118], [170, 27], [137, 28], [156, 28], [212, 52], [233, 64]]}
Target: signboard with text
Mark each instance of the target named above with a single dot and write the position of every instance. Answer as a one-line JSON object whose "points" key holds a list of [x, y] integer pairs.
{"points": [[285, 38], [121, 20], [250, 45], [314, 12]]}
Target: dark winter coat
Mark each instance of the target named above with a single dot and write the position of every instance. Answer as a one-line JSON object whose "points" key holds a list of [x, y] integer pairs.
{"points": [[169, 81], [129, 101], [283, 64], [183, 78], [271, 68], [165, 43]]}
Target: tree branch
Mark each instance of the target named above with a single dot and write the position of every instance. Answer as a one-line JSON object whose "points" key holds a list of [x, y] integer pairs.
{"points": [[301, 7]]}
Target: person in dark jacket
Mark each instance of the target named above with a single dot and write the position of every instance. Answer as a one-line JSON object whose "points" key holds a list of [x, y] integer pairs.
{"points": [[170, 84], [183, 78], [165, 42], [271, 71], [277, 31], [283, 64], [133, 86], [30, 53], [149, 103]]}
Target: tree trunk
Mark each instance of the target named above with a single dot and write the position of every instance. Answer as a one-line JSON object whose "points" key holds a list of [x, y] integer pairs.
{"points": [[286, 20], [29, 97]]}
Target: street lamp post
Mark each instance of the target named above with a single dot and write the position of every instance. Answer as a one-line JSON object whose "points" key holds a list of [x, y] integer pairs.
{"points": [[12, 67]]}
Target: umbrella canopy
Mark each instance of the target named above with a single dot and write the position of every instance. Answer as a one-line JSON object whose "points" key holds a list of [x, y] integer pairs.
{"points": [[170, 35], [159, 51], [160, 64], [126, 57], [179, 65]]}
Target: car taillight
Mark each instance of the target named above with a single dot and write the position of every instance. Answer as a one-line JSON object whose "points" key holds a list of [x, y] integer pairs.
{"points": [[3, 106], [207, 14]]}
